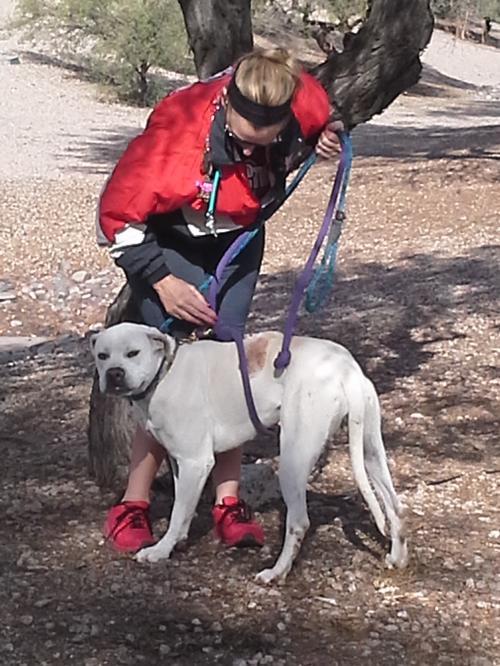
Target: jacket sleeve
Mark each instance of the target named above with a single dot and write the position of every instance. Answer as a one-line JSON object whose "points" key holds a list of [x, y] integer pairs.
{"points": [[131, 193], [311, 107], [144, 259], [128, 198]]}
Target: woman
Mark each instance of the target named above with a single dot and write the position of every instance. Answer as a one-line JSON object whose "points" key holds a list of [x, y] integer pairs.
{"points": [[245, 128]]}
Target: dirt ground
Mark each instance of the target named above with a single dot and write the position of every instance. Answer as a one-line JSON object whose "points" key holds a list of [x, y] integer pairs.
{"points": [[416, 301]]}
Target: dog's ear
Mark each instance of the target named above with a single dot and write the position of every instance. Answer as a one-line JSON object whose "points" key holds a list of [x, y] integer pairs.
{"points": [[93, 340], [160, 340]]}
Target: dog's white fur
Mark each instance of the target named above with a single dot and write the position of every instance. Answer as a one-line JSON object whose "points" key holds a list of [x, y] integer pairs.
{"points": [[198, 409]]}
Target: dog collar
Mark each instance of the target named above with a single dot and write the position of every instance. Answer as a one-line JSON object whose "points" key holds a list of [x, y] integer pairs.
{"points": [[160, 374]]}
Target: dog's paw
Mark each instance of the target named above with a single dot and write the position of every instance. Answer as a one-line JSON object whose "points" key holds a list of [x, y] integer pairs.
{"points": [[267, 576], [152, 554], [397, 558]]}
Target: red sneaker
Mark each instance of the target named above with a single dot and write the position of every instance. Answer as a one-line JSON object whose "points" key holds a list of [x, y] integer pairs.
{"points": [[128, 527], [234, 524]]}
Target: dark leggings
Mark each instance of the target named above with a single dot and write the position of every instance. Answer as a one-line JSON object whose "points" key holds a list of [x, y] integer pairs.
{"points": [[193, 259]]}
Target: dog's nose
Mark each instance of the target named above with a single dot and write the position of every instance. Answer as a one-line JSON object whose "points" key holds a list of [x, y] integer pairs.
{"points": [[115, 377]]}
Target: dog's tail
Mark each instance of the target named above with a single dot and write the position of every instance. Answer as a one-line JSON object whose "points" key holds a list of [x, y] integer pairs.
{"points": [[356, 423], [376, 463]]}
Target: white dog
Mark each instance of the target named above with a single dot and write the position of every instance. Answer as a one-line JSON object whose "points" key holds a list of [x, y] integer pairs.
{"points": [[192, 401]]}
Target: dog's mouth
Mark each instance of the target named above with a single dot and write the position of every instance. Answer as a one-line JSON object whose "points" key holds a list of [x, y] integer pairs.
{"points": [[113, 389], [124, 390]]}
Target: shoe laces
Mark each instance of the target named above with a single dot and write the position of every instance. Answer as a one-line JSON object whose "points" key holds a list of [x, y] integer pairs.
{"points": [[237, 513], [133, 517]]}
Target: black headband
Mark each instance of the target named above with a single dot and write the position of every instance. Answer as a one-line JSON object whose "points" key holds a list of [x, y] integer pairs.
{"points": [[259, 115]]}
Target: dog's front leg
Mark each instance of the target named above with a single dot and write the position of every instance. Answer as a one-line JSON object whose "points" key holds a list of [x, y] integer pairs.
{"points": [[192, 476]]}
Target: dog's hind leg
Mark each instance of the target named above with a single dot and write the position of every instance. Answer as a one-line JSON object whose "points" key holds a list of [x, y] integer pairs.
{"points": [[191, 479], [375, 461], [303, 435]]}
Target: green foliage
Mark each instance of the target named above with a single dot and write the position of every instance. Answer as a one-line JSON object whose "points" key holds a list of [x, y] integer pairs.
{"points": [[344, 9], [120, 40], [456, 9]]}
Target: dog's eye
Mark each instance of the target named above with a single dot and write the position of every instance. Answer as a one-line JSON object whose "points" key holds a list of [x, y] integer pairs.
{"points": [[102, 356], [132, 353]]}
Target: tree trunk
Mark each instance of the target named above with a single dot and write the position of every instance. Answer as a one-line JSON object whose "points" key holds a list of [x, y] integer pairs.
{"points": [[219, 32], [382, 61], [111, 422]]}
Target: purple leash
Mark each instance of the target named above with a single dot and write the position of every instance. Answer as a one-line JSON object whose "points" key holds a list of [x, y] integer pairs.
{"points": [[226, 333], [229, 333], [282, 360]]}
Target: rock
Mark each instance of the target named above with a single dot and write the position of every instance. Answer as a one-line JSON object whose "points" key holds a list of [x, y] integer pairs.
{"points": [[15, 343], [41, 603], [80, 276]]}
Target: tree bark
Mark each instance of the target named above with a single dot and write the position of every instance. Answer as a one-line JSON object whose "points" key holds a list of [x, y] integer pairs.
{"points": [[219, 32], [382, 61], [111, 421]]}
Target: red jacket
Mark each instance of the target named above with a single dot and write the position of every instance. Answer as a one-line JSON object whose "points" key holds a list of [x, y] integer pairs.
{"points": [[159, 171]]}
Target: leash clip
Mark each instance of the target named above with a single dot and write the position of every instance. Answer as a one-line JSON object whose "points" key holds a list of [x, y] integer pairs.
{"points": [[210, 223]]}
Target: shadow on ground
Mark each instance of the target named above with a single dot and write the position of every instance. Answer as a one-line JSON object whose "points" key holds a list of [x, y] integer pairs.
{"points": [[100, 152], [389, 318]]}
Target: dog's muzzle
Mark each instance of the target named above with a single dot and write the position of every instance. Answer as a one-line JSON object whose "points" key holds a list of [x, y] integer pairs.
{"points": [[115, 380]]}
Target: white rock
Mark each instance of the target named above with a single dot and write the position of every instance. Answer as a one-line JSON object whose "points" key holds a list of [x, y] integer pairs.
{"points": [[80, 276]]}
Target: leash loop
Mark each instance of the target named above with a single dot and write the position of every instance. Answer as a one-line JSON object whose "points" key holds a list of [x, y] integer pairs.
{"points": [[339, 189]]}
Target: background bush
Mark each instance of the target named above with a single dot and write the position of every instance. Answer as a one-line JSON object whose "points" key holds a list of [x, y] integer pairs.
{"points": [[118, 41]]}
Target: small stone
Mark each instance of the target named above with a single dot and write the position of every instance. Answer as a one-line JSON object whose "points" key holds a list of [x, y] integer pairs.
{"points": [[27, 620], [216, 626], [15, 323], [164, 649], [449, 564], [269, 638], [80, 276], [41, 603]]}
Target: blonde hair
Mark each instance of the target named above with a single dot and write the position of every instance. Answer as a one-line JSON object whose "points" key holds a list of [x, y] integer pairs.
{"points": [[268, 76]]}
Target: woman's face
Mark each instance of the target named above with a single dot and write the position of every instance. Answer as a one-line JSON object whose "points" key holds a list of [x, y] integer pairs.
{"points": [[246, 135]]}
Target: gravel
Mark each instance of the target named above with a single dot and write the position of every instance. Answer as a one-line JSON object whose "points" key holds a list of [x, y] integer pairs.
{"points": [[416, 300]]}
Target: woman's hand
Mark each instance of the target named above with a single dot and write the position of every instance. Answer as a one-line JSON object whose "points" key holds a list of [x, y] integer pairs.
{"points": [[328, 145], [183, 301]]}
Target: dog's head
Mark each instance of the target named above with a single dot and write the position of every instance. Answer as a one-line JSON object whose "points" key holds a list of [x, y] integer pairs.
{"points": [[128, 357]]}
